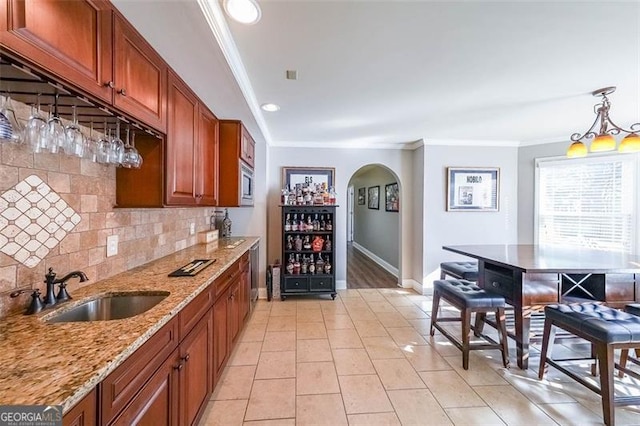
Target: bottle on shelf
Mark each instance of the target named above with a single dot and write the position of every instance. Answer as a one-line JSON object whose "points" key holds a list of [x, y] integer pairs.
{"points": [[284, 196], [323, 224], [312, 266], [327, 244], [302, 226], [294, 223], [289, 242], [309, 226], [327, 267], [298, 243], [290, 264], [332, 196], [329, 226], [296, 265], [306, 244], [316, 223], [287, 223], [304, 265], [319, 264]]}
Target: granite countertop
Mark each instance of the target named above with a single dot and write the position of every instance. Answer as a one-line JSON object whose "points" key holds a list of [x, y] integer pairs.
{"points": [[58, 364]]}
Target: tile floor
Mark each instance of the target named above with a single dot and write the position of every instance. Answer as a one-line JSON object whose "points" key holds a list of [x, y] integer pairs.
{"points": [[367, 359]]}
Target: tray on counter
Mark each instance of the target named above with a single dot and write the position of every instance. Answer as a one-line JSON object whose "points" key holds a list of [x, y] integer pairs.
{"points": [[192, 268]]}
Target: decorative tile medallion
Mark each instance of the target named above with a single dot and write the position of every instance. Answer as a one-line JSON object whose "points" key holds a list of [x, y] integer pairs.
{"points": [[33, 220]]}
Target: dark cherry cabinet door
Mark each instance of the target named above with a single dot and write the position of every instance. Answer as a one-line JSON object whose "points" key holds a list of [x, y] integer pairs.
{"points": [[207, 194], [140, 77], [69, 39], [220, 339], [248, 151], [181, 142], [233, 311], [195, 376], [84, 413]]}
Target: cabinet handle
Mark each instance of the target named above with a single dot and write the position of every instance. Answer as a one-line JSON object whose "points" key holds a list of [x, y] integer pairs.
{"points": [[109, 84], [178, 367], [495, 284], [123, 92], [185, 358]]}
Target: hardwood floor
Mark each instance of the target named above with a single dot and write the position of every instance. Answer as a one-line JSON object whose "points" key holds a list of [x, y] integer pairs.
{"points": [[362, 272]]}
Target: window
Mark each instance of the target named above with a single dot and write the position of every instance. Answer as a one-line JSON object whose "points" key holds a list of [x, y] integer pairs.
{"points": [[590, 202]]}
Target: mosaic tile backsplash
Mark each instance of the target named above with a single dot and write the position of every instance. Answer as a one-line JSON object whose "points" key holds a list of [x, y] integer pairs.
{"points": [[74, 210]]}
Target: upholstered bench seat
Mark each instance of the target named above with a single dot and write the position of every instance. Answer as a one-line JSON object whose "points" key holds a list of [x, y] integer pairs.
{"points": [[460, 270], [469, 298]]}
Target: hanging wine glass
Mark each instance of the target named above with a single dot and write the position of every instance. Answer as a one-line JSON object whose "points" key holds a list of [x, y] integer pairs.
{"points": [[10, 128], [128, 156], [55, 130], [103, 146], [116, 147], [74, 139], [135, 159], [35, 131], [90, 146]]}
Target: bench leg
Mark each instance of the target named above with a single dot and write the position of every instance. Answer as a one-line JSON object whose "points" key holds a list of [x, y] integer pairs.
{"points": [[443, 275], [465, 317], [548, 337], [434, 311], [502, 334], [479, 323], [605, 358]]}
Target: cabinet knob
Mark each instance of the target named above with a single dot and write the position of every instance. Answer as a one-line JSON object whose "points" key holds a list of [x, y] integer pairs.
{"points": [[185, 358], [178, 367], [495, 284], [123, 92], [109, 84]]}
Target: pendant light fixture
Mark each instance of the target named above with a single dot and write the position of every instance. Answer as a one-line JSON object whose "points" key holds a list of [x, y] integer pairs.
{"points": [[603, 139]]}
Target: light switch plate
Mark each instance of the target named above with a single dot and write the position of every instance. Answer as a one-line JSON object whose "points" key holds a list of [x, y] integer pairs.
{"points": [[112, 245], [192, 228]]}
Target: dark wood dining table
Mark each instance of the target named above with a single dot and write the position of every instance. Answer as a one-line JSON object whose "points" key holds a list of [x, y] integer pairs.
{"points": [[532, 276]]}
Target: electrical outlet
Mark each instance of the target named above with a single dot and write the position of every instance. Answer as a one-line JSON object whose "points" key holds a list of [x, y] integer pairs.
{"points": [[192, 228], [112, 245]]}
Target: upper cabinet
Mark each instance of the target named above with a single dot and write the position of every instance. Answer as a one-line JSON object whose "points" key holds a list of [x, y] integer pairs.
{"points": [[68, 39], [237, 159], [140, 77], [248, 147]]}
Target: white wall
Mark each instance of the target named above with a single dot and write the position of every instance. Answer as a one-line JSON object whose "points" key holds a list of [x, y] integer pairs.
{"points": [[457, 228], [346, 162]]}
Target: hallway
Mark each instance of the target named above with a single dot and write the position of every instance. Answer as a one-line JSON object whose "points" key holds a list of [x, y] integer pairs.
{"points": [[362, 272]]}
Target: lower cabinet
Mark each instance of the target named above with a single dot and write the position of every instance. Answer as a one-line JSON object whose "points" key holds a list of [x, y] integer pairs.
{"points": [[83, 413]]}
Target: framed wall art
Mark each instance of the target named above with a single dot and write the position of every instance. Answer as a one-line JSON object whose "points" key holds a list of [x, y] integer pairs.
{"points": [[362, 194], [391, 197], [374, 197], [473, 189], [306, 176]]}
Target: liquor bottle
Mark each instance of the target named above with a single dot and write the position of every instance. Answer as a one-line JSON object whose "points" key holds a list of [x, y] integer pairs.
{"points": [[319, 264], [284, 196], [294, 223], [302, 226], [287, 223], [332, 196], [290, 265], [316, 223], [327, 244], [289, 242], [306, 243], [308, 200], [312, 266], [296, 265], [329, 226], [304, 265], [325, 194], [299, 196], [298, 243], [323, 225], [327, 266], [309, 227]]}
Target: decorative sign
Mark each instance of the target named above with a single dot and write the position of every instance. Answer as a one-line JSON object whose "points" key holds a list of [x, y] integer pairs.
{"points": [[472, 189], [304, 176]]}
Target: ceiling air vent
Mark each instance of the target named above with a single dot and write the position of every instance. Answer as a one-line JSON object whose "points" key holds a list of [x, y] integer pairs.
{"points": [[292, 75]]}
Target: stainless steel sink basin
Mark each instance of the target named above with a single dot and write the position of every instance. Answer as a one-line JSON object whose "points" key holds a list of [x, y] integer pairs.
{"points": [[111, 307]]}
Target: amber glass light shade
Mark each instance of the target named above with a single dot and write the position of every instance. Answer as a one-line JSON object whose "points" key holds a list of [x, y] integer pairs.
{"points": [[603, 143], [630, 143], [577, 149]]}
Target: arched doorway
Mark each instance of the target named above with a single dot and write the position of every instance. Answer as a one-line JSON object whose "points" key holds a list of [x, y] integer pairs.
{"points": [[373, 228]]}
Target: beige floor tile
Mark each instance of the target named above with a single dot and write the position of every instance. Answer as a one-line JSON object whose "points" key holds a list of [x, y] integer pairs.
{"points": [[349, 293], [259, 317], [425, 358], [538, 391], [276, 422], [280, 309], [364, 394], [479, 373], [224, 413], [253, 332], [245, 353], [276, 365], [235, 383], [417, 407], [311, 330], [282, 323], [314, 378], [311, 304], [411, 312], [344, 339], [381, 348], [473, 416], [337, 321], [422, 326], [398, 301], [263, 305], [370, 328], [442, 345], [451, 390], [361, 314], [512, 406], [406, 336], [571, 413], [397, 374], [381, 306], [275, 341], [352, 361], [272, 399], [373, 419], [320, 410], [315, 350], [314, 315], [392, 319]]}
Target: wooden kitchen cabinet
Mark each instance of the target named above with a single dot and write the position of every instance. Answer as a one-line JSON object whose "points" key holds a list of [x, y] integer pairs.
{"points": [[192, 148], [70, 40], [84, 413], [237, 151], [220, 339]]}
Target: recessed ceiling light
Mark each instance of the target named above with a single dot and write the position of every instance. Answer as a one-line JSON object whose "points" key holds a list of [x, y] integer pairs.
{"points": [[270, 107], [243, 11]]}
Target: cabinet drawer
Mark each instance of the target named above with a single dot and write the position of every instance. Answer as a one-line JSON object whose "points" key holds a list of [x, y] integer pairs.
{"points": [[324, 283], [296, 283], [499, 283], [125, 381], [225, 279], [191, 314]]}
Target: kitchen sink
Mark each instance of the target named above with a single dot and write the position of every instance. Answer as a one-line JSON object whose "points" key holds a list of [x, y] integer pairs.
{"points": [[111, 307]]}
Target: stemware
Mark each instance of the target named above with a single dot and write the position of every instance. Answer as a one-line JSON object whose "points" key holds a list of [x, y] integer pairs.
{"points": [[103, 145], [91, 146], [116, 147], [55, 131], [131, 158], [74, 139], [10, 129], [137, 162], [35, 131]]}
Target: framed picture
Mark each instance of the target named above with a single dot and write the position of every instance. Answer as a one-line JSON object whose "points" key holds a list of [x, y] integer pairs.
{"points": [[391, 197], [292, 176], [362, 193], [374, 197], [473, 189]]}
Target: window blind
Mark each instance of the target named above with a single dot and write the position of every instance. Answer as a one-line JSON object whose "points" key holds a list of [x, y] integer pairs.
{"points": [[588, 203]]}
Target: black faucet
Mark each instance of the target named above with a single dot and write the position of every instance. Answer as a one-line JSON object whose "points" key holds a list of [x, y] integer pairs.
{"points": [[50, 279]]}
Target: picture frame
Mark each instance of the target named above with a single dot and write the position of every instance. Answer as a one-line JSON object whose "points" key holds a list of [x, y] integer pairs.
{"points": [[473, 189], [291, 176], [362, 195], [374, 197], [391, 197]]}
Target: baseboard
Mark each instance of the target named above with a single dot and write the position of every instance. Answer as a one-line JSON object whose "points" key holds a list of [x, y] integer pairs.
{"points": [[411, 283], [341, 284], [383, 263], [262, 293]]}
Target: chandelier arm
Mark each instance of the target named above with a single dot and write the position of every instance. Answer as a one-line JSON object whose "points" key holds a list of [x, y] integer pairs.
{"points": [[634, 128], [589, 133]]}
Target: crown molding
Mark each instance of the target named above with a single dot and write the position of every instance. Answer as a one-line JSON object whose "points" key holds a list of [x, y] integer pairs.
{"points": [[343, 145], [471, 142]]}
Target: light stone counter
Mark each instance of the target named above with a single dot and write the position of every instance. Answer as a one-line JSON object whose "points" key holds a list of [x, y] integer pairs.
{"points": [[58, 364]]}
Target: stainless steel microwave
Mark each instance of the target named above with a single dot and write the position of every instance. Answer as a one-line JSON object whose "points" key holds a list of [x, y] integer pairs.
{"points": [[246, 185]]}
